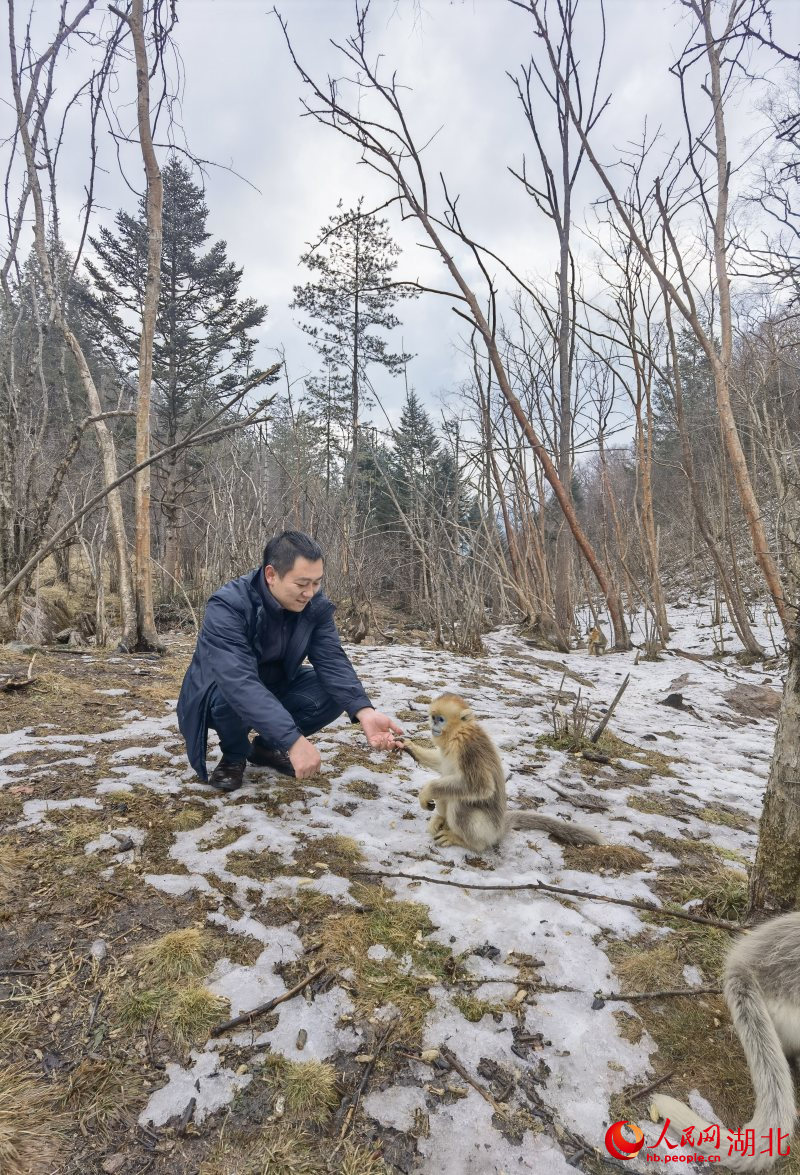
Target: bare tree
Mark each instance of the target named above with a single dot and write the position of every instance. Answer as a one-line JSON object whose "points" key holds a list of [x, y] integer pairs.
{"points": [[31, 110], [392, 151], [553, 195], [146, 636], [720, 49]]}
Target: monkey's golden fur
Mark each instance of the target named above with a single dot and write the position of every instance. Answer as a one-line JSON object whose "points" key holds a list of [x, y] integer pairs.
{"points": [[470, 794]]}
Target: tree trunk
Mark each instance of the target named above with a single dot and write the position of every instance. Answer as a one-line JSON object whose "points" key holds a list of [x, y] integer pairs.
{"points": [[649, 523], [775, 880], [562, 594], [738, 613], [147, 637], [105, 441], [172, 548]]}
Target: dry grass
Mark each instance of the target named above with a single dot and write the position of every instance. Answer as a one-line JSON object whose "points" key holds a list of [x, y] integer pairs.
{"points": [[357, 754], [402, 927], [721, 891], [308, 1088], [618, 749], [362, 787], [222, 838], [137, 1008], [630, 1027], [662, 805], [717, 1069], [688, 850], [474, 1010], [729, 817], [605, 859], [192, 1012], [643, 967], [192, 816], [275, 1150], [102, 1094], [77, 832], [186, 1014], [10, 869], [31, 1139], [261, 866], [179, 955], [16, 1028], [360, 1160], [339, 854]]}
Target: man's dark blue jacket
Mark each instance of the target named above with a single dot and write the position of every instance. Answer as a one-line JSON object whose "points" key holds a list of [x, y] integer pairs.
{"points": [[232, 643]]}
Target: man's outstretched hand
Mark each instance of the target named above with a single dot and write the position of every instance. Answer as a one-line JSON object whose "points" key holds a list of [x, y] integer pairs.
{"points": [[379, 729], [305, 758]]}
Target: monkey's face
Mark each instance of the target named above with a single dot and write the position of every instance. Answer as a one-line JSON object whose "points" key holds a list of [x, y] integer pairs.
{"points": [[447, 712], [438, 723]]}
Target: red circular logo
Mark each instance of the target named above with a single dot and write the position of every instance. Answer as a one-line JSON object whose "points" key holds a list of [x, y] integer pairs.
{"points": [[618, 1145]]}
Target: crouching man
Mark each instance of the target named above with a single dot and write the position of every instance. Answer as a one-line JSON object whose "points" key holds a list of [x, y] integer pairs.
{"points": [[247, 672]]}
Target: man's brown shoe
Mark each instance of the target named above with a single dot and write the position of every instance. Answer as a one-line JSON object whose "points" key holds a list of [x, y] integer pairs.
{"points": [[263, 756], [228, 775]]}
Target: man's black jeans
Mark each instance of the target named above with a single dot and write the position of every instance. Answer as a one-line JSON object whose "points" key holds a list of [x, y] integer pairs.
{"points": [[305, 698]]}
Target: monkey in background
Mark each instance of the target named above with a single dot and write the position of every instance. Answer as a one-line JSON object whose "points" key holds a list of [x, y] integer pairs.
{"points": [[762, 990], [597, 642], [470, 794]]}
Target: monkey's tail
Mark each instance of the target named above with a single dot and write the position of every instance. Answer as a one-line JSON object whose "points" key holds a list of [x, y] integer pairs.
{"points": [[568, 834], [769, 1070]]}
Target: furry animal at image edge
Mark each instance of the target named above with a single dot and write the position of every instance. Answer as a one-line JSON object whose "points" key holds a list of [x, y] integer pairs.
{"points": [[762, 990], [470, 794]]}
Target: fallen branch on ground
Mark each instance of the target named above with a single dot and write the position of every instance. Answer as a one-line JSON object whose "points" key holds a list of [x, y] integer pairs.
{"points": [[11, 683], [362, 1085], [455, 1064], [657, 995], [262, 1009], [649, 1088], [635, 903]]}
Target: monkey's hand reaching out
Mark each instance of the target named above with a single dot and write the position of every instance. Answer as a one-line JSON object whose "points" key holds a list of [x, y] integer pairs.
{"points": [[426, 800]]}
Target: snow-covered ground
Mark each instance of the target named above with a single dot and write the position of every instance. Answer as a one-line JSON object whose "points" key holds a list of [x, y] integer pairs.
{"points": [[719, 758]]}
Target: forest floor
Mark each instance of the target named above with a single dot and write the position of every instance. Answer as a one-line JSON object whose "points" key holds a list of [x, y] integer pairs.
{"points": [[447, 1031]]}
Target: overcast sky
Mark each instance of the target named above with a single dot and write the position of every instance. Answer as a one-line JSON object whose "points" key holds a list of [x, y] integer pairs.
{"points": [[241, 109]]}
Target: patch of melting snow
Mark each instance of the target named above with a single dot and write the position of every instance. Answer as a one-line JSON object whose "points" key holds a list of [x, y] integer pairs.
{"points": [[208, 1081], [179, 884], [35, 811], [246, 925], [164, 782], [464, 1141], [111, 840], [320, 1019], [565, 1018], [247, 987], [395, 1106], [138, 752]]}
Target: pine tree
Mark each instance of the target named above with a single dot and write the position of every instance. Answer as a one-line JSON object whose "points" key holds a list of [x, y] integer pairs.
{"points": [[326, 401], [699, 405], [416, 462], [204, 341], [348, 301]]}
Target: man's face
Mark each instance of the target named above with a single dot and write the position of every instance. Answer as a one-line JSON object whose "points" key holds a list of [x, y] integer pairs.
{"points": [[294, 589]]}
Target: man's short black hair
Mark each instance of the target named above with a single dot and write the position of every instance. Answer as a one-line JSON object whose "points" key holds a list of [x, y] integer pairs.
{"points": [[282, 550]]}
